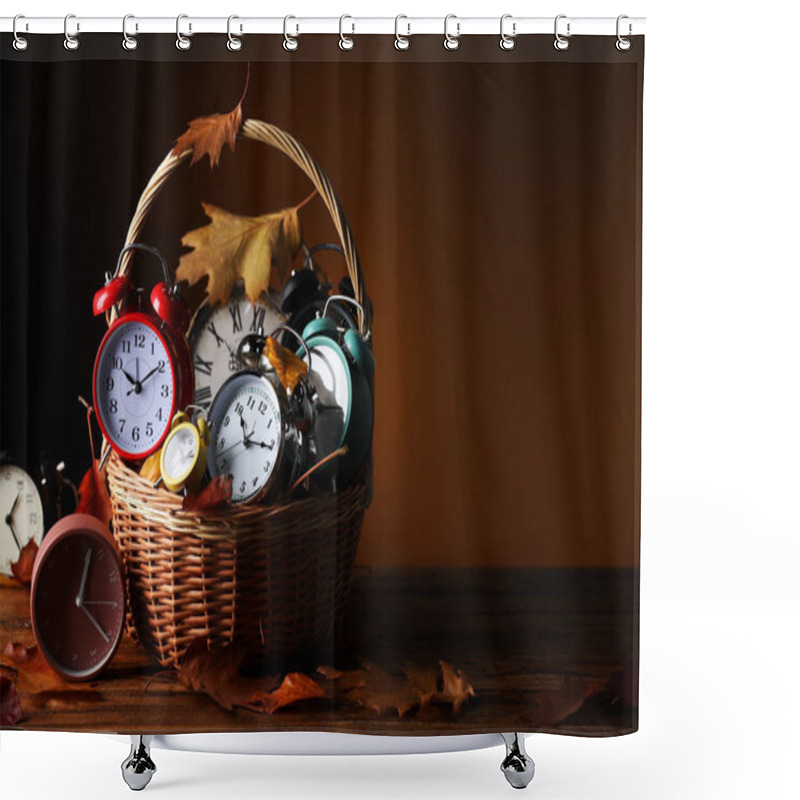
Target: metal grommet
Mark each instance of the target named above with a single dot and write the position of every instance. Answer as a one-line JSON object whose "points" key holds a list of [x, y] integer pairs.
{"points": [[561, 42], [623, 43], [182, 42], [346, 42], [290, 42], [129, 42], [401, 42], [20, 42], [234, 42], [507, 42], [451, 42], [71, 42]]}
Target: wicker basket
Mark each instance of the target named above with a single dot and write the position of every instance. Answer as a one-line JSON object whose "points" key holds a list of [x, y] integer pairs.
{"points": [[272, 577]]}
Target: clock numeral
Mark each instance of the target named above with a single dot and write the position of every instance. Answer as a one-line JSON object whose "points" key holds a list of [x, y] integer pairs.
{"points": [[203, 396], [243, 487], [221, 443], [152, 348], [227, 421], [109, 383], [262, 407], [116, 362], [255, 481], [135, 433], [162, 366], [239, 408], [236, 313], [160, 415], [112, 406], [258, 318], [165, 390], [266, 467], [32, 517], [148, 430], [251, 403], [122, 425], [126, 348], [138, 340], [213, 331], [223, 465], [201, 365]]}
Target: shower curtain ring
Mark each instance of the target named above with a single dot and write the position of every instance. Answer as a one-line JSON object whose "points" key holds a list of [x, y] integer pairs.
{"points": [[451, 42], [182, 42], [20, 42], [129, 42], [290, 42], [71, 42], [623, 43], [346, 42], [234, 42], [561, 42], [508, 41], [401, 42]]}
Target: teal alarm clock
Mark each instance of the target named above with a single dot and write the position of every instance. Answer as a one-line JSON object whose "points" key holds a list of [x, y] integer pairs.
{"points": [[341, 366]]}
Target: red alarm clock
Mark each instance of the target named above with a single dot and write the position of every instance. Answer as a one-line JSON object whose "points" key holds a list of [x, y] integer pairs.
{"points": [[78, 597], [143, 373]]}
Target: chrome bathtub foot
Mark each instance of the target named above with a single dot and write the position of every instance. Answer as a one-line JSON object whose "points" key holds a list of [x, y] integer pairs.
{"points": [[517, 766], [138, 768]]}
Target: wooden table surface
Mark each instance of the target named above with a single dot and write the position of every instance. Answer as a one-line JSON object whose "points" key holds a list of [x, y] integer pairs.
{"points": [[523, 637]]}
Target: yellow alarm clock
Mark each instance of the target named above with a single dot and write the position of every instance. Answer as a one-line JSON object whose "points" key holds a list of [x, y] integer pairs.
{"points": [[183, 456]]}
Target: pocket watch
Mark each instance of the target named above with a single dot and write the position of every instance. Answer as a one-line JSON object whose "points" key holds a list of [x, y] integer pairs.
{"points": [[78, 597], [21, 513], [183, 456], [215, 334], [255, 438], [143, 369]]}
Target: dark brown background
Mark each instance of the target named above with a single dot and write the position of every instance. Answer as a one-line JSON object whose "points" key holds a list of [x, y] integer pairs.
{"points": [[496, 205]]}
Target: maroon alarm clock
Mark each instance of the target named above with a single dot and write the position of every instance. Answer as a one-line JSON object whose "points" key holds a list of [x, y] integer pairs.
{"points": [[143, 373], [78, 597]]}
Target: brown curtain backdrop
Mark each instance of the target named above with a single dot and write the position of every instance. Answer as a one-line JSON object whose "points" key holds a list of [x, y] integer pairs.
{"points": [[495, 200]]}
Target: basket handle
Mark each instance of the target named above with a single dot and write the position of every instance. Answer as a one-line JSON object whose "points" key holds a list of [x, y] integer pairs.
{"points": [[289, 146]]}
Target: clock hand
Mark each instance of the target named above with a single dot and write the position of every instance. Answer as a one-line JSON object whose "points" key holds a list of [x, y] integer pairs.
{"points": [[96, 624], [13, 533], [228, 449], [10, 520], [137, 370], [111, 603], [149, 374], [264, 444], [79, 598], [130, 377]]}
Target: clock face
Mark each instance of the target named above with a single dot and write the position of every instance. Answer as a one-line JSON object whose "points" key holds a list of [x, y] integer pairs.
{"points": [[21, 515], [330, 377], [215, 336], [180, 452], [134, 387], [78, 598], [247, 434]]}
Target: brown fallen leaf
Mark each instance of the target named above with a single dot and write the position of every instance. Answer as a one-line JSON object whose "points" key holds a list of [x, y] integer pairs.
{"points": [[383, 692], [289, 367], [456, 688], [208, 135], [22, 568], [233, 247], [10, 706], [425, 682], [93, 495], [295, 687], [216, 494], [34, 674]]}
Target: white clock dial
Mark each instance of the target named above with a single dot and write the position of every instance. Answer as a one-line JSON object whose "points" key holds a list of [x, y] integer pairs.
{"points": [[247, 434], [21, 514], [180, 452], [330, 377], [134, 389], [215, 336]]}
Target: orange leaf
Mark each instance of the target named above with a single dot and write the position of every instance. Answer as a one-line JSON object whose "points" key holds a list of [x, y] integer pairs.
{"points": [[289, 367], [10, 707], [295, 687], [34, 673], [22, 568], [457, 689], [93, 496], [216, 494], [233, 247]]}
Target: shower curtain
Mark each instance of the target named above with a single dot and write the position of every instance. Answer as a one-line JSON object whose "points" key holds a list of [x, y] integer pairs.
{"points": [[374, 316]]}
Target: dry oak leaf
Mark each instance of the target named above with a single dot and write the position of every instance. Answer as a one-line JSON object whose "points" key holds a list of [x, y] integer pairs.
{"points": [[208, 135], [289, 367], [295, 687], [22, 568], [216, 494], [10, 706], [233, 247], [382, 692], [456, 688]]}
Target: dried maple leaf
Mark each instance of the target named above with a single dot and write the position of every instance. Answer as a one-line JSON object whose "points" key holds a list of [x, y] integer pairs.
{"points": [[33, 672], [93, 496], [295, 687], [456, 689], [208, 135], [382, 692], [10, 706], [216, 494], [22, 568], [289, 367]]}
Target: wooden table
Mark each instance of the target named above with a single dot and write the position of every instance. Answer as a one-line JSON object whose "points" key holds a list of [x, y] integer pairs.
{"points": [[524, 637]]}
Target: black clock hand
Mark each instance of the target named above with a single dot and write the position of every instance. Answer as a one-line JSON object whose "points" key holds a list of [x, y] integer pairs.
{"points": [[149, 374], [227, 450], [130, 377], [10, 520], [264, 444]]}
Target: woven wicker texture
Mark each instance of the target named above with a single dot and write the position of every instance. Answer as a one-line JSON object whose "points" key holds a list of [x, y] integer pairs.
{"points": [[272, 577]]}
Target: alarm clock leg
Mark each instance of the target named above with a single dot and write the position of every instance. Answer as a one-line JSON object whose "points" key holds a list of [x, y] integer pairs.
{"points": [[138, 768], [517, 766]]}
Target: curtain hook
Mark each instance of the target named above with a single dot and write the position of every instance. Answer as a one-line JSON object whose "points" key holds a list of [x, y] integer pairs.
{"points": [[129, 42], [182, 42], [623, 43], [507, 42], [234, 42], [20, 42], [561, 42], [290, 42], [71, 42], [346, 42], [401, 42], [451, 42]]}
